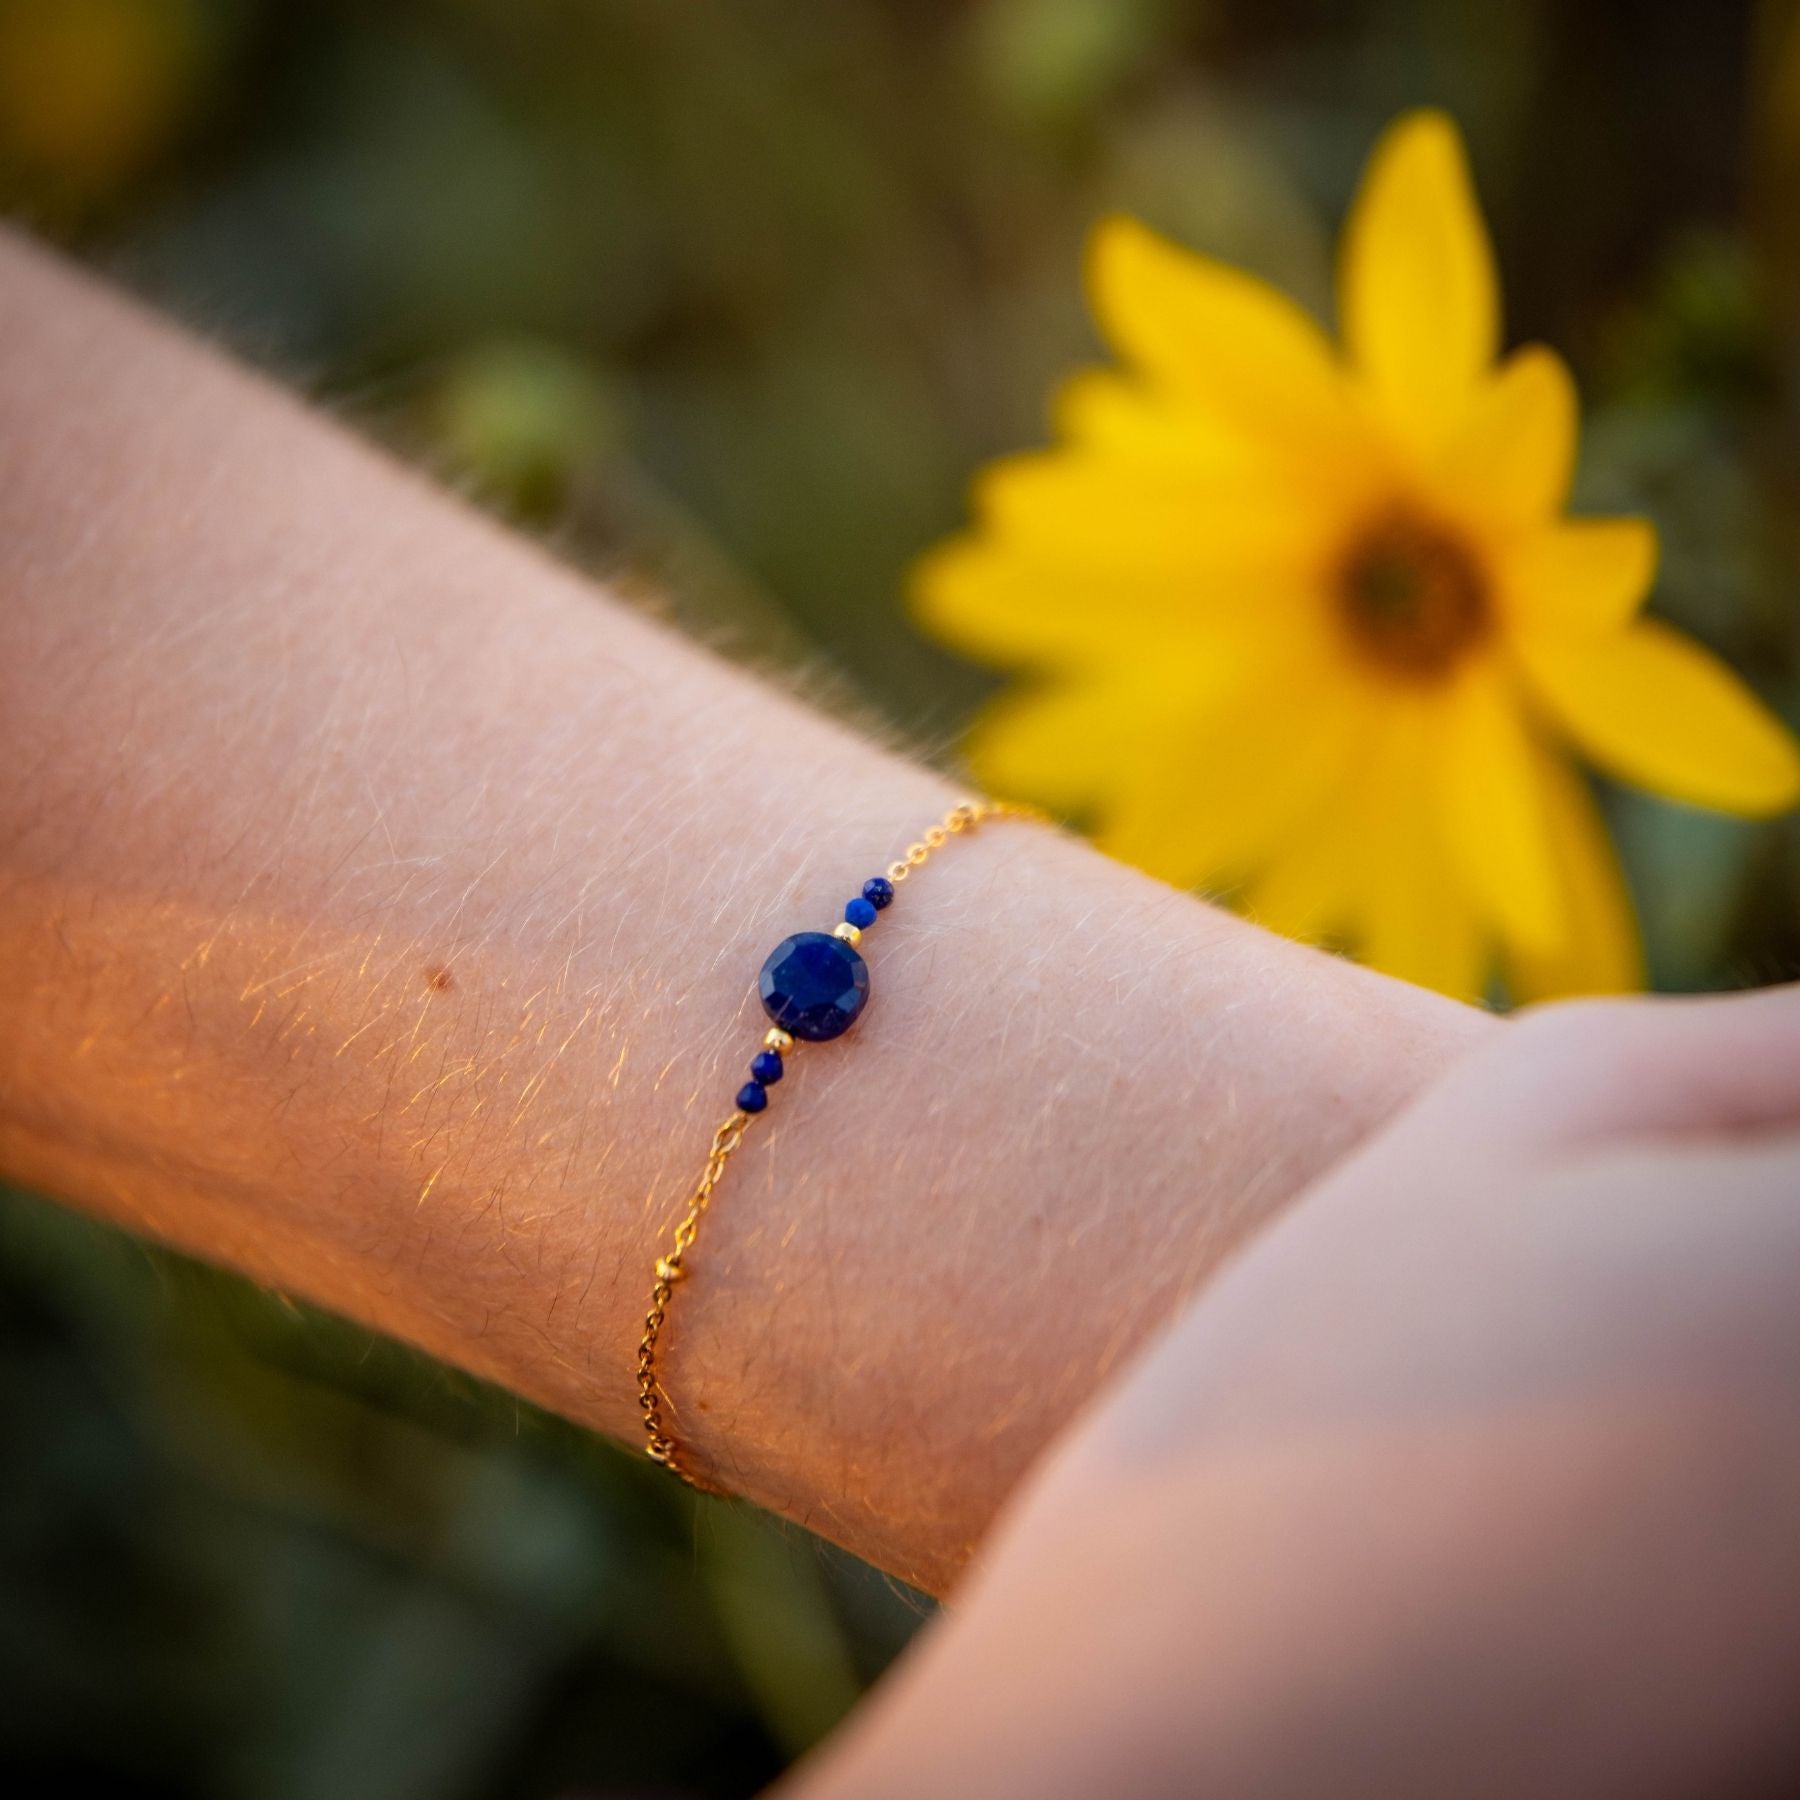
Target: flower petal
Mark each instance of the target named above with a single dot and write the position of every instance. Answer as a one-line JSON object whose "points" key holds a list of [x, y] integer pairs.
{"points": [[1581, 576], [1491, 810], [1420, 927], [999, 607], [1014, 608], [1309, 888], [1099, 512], [1223, 340], [1414, 919], [1226, 789], [1116, 415], [1513, 454], [1417, 289], [1062, 744], [1650, 706], [1601, 953]]}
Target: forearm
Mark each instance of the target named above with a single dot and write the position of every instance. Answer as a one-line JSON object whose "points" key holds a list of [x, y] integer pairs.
{"points": [[379, 905]]}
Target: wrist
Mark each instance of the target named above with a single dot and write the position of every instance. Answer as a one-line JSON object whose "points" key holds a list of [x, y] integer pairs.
{"points": [[391, 906]]}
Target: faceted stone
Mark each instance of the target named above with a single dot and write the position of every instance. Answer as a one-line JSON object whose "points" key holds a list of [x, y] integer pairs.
{"points": [[814, 985]]}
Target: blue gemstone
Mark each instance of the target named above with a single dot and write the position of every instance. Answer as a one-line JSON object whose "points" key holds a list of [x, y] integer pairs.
{"points": [[752, 1097], [765, 1065], [860, 913], [878, 891], [814, 985]]}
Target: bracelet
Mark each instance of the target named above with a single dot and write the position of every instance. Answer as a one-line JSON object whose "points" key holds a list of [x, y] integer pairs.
{"points": [[814, 987]]}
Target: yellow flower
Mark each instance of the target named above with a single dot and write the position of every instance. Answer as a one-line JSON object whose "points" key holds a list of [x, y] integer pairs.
{"points": [[1314, 622]]}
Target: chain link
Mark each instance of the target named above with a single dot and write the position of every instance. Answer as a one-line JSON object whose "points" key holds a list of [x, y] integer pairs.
{"points": [[964, 816], [671, 1268]]}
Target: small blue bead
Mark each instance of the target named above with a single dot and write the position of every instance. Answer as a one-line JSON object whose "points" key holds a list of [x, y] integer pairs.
{"points": [[752, 1097], [765, 1065], [879, 892], [860, 913]]}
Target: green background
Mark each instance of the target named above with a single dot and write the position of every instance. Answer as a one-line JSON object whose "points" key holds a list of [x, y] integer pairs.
{"points": [[730, 299]]}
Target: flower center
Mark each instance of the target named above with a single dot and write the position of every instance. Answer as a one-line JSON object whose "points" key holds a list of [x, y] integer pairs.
{"points": [[1412, 595]]}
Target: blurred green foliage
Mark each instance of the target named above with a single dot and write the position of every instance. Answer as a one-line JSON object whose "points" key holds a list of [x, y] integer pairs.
{"points": [[731, 296]]}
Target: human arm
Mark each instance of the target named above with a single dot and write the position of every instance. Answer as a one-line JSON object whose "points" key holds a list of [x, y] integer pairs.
{"points": [[380, 901]]}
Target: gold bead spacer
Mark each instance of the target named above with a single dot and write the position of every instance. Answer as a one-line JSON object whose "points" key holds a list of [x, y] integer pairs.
{"points": [[848, 932], [777, 1040], [668, 1270]]}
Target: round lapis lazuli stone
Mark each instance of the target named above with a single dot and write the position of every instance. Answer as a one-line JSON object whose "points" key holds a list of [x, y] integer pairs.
{"points": [[814, 986]]}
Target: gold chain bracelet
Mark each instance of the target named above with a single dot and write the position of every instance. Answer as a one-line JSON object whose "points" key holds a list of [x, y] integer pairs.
{"points": [[814, 986]]}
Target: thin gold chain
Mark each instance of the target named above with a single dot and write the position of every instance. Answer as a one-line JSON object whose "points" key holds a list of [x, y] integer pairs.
{"points": [[669, 1270], [964, 816], [671, 1267]]}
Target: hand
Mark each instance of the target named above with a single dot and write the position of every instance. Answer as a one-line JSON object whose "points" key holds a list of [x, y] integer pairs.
{"points": [[1476, 1474]]}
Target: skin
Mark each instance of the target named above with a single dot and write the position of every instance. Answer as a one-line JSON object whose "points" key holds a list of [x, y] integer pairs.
{"points": [[1505, 1505], [382, 903]]}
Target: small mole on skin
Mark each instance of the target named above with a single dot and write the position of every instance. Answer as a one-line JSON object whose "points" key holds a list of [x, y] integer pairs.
{"points": [[437, 978]]}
